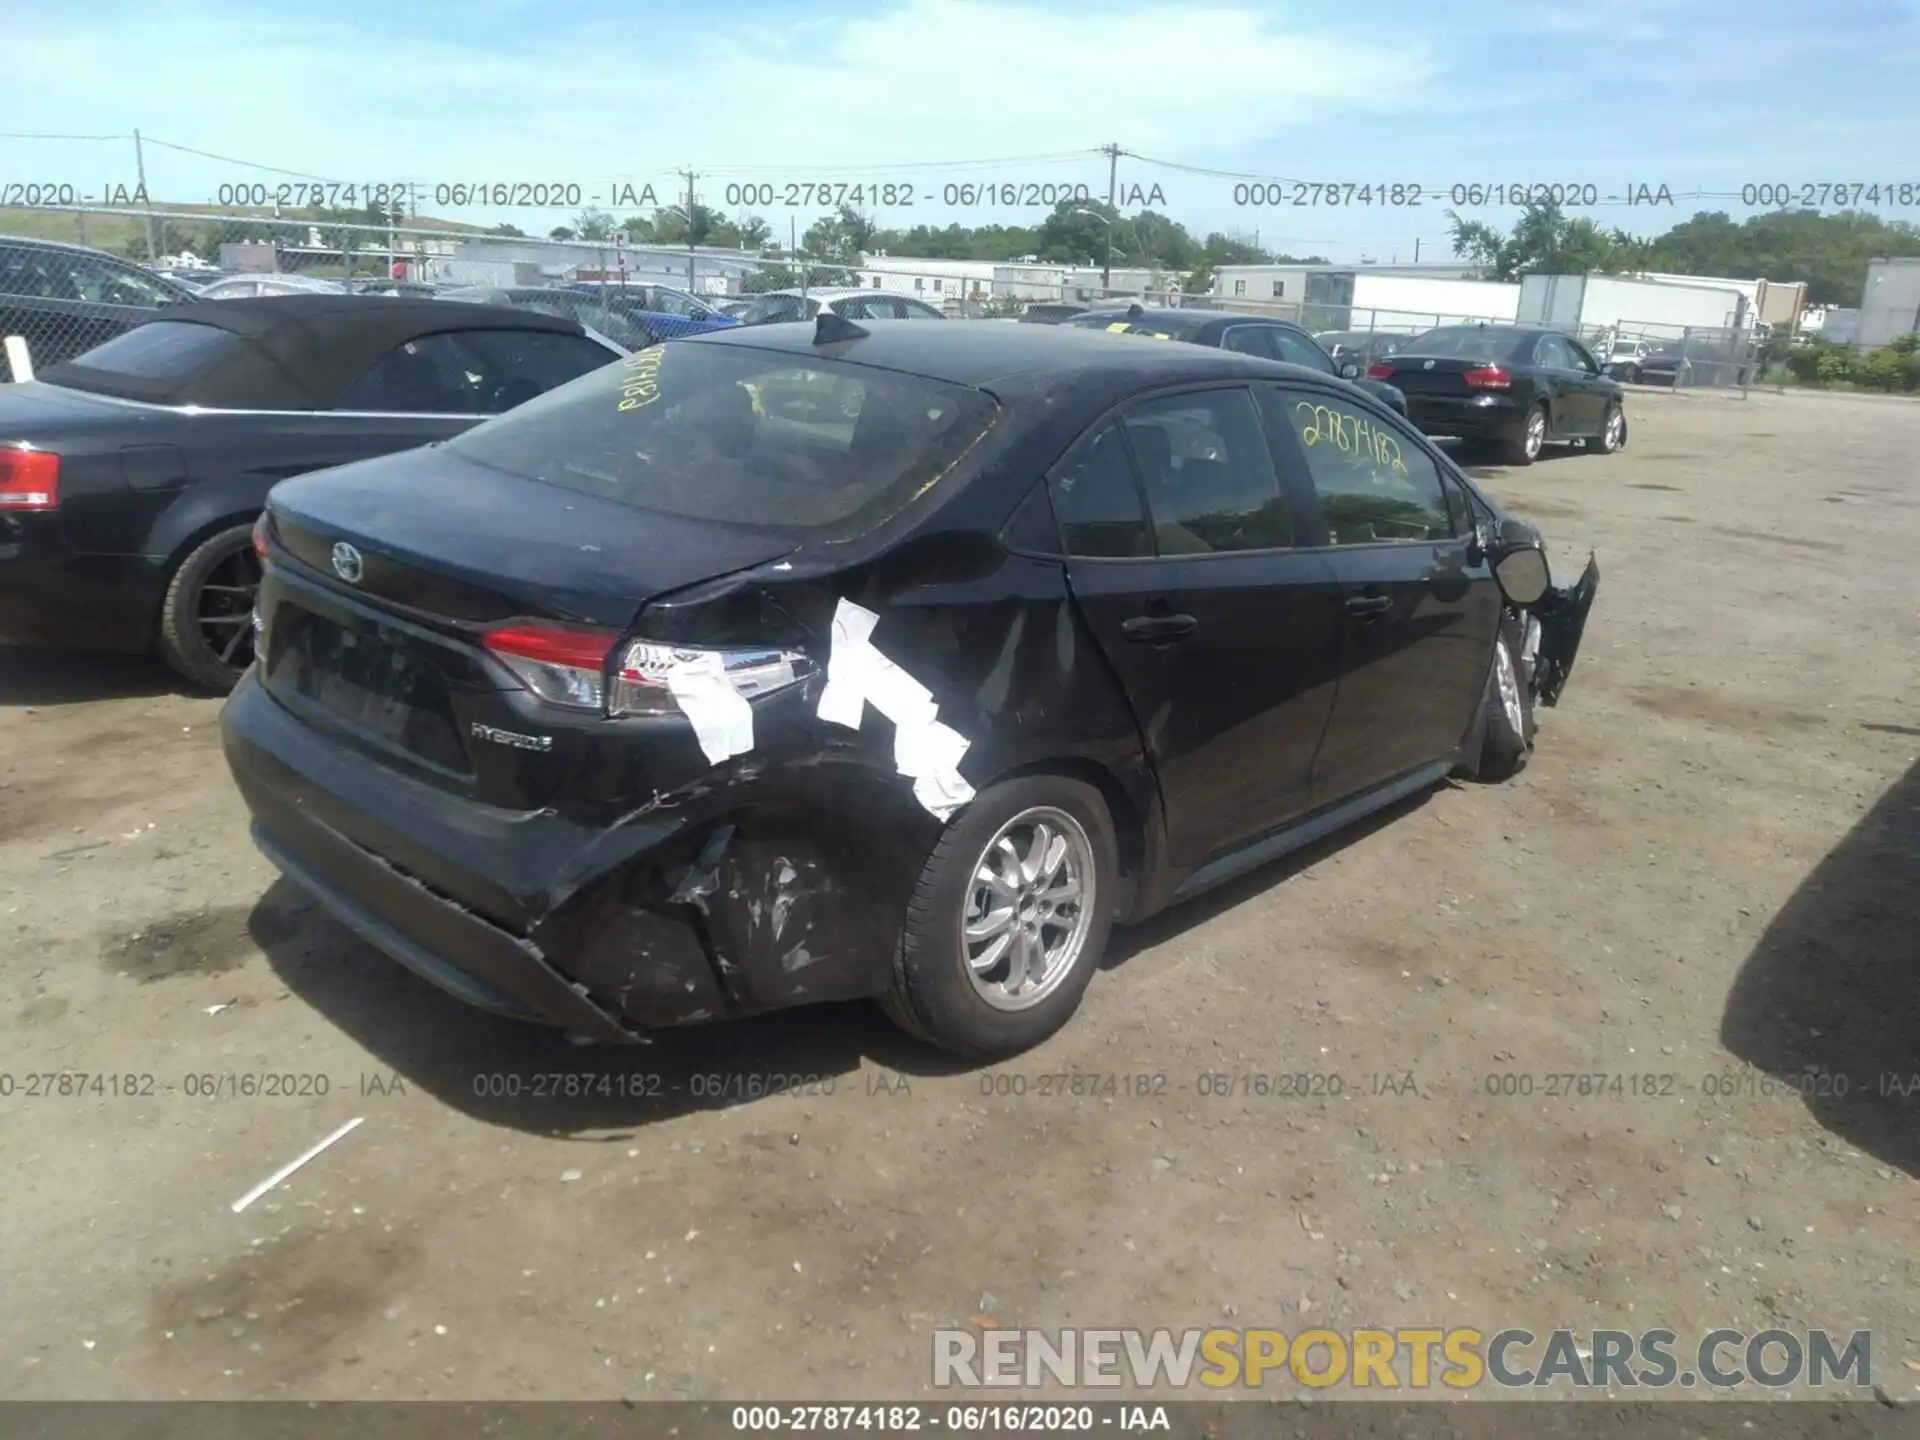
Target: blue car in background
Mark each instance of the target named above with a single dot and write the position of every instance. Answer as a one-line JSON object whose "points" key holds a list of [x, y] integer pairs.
{"points": [[660, 310]]}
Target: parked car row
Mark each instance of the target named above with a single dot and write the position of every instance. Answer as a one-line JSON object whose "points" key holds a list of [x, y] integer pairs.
{"points": [[620, 689]]}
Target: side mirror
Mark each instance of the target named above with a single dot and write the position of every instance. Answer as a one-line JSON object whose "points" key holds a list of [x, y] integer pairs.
{"points": [[1349, 371], [1523, 574]]}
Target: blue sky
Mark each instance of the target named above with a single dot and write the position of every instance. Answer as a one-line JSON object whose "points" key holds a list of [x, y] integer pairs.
{"points": [[927, 93]]}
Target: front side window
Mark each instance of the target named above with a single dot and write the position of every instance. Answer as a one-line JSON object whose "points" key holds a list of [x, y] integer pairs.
{"points": [[105, 284], [1297, 349], [1375, 483], [1209, 481], [744, 437]]}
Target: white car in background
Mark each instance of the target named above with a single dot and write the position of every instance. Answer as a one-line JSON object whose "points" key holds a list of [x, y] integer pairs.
{"points": [[779, 306], [245, 287]]}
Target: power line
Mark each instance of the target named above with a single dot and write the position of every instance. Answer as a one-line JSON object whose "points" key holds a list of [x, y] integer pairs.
{"points": [[231, 160], [17, 135]]}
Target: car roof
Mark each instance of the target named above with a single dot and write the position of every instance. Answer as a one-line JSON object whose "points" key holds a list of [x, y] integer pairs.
{"points": [[1173, 320], [67, 245], [1015, 363], [299, 352]]}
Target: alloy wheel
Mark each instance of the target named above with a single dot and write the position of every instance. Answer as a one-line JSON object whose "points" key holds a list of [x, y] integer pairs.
{"points": [[1616, 429], [1029, 907], [223, 610], [1536, 432]]}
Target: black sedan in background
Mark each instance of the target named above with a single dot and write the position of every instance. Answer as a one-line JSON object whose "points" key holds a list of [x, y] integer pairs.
{"points": [[131, 476], [1519, 385], [811, 662], [1246, 334], [63, 299]]}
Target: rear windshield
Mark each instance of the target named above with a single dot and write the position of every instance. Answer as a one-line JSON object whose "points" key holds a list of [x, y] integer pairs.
{"points": [[1468, 342], [159, 350], [753, 437]]}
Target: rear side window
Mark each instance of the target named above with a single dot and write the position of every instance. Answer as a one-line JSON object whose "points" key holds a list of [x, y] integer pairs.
{"points": [[1097, 501], [748, 437], [160, 350], [1209, 480], [771, 309]]}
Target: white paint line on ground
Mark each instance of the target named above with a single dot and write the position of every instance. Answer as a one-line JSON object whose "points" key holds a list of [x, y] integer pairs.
{"points": [[285, 1170]]}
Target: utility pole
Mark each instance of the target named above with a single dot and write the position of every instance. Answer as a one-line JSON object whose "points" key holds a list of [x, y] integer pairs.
{"points": [[690, 179], [140, 173], [1113, 153]]}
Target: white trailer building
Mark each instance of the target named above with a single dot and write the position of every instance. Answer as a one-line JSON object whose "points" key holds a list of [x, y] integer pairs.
{"points": [[1586, 304]]}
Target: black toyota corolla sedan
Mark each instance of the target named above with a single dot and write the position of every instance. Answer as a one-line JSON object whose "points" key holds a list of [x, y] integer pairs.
{"points": [[799, 663], [1519, 385], [130, 477]]}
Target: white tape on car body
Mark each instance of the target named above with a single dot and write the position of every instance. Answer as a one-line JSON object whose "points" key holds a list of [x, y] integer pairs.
{"points": [[925, 750], [722, 717], [19, 360]]}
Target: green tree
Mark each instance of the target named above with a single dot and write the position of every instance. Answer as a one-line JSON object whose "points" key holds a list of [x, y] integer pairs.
{"points": [[592, 224], [1545, 240], [511, 231], [560, 232]]}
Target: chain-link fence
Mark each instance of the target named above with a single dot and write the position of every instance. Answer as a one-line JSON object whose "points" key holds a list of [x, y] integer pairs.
{"points": [[62, 301]]}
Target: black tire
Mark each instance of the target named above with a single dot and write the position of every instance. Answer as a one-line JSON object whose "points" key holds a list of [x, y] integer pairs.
{"points": [[1516, 446], [934, 997], [1505, 745], [1613, 439], [203, 601], [1630, 375]]}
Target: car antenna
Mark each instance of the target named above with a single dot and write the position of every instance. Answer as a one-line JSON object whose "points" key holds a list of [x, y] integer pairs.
{"points": [[833, 326]]}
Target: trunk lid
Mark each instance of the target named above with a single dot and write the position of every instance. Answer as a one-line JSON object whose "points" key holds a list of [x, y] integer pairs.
{"points": [[1431, 375], [453, 539], [404, 562]]}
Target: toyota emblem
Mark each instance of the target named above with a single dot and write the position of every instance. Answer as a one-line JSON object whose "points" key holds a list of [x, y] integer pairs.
{"points": [[347, 563]]}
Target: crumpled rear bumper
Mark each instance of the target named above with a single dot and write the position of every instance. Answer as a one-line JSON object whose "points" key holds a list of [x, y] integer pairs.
{"points": [[721, 902]]}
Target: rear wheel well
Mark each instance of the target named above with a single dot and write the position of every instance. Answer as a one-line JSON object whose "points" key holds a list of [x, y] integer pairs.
{"points": [[186, 545], [1129, 826]]}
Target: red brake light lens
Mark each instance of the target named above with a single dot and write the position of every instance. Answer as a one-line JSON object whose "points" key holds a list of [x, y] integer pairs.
{"points": [[1488, 377], [29, 479], [1380, 370], [260, 537], [562, 664]]}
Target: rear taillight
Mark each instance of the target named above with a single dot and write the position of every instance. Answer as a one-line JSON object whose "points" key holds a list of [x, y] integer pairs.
{"points": [[562, 664], [29, 479], [655, 679], [568, 665], [1488, 377], [1380, 370]]}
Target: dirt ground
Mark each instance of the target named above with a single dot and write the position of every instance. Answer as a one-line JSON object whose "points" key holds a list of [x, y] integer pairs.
{"points": [[1707, 873]]}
